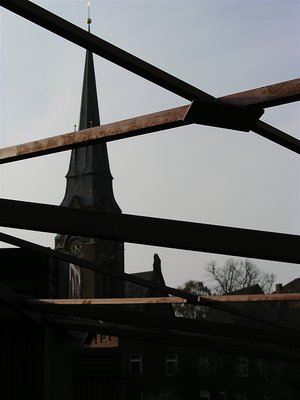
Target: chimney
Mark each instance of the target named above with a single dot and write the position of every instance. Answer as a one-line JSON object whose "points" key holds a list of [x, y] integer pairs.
{"points": [[156, 263], [279, 288]]}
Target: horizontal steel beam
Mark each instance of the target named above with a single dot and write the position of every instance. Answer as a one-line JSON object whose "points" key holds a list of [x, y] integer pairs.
{"points": [[267, 96], [151, 231]]}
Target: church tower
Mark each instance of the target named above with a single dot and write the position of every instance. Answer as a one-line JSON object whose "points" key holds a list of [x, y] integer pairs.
{"points": [[89, 186]]}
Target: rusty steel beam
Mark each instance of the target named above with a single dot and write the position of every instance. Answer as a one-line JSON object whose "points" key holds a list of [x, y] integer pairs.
{"points": [[267, 96], [151, 231], [122, 129], [167, 119]]}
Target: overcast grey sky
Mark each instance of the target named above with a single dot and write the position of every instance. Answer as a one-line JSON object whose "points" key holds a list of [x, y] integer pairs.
{"points": [[193, 173]]}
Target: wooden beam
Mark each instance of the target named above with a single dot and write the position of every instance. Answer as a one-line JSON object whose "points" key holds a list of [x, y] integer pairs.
{"points": [[111, 301], [151, 231], [174, 300], [252, 298]]}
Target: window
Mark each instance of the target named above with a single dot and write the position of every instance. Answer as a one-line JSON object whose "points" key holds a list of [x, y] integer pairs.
{"points": [[203, 366], [171, 364], [262, 367], [240, 397], [135, 364], [242, 367], [204, 395]]}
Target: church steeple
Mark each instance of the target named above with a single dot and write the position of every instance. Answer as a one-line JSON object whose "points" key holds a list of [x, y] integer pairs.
{"points": [[89, 180], [89, 186]]}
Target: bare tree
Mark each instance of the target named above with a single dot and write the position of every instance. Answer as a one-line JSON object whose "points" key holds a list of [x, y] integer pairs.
{"points": [[235, 275], [189, 310]]}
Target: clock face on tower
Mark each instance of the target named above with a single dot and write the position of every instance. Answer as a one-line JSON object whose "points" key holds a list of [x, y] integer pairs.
{"points": [[75, 246]]}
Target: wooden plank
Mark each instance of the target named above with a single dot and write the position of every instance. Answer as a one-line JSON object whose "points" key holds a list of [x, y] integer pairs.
{"points": [[174, 300], [252, 298], [111, 301]]}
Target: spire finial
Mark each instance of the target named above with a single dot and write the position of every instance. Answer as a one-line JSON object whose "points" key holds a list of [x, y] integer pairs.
{"points": [[88, 21]]}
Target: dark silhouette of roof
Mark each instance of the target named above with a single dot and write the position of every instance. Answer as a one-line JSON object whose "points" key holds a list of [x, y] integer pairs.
{"points": [[291, 287]]}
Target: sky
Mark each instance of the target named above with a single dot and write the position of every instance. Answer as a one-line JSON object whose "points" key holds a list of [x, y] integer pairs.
{"points": [[194, 173]]}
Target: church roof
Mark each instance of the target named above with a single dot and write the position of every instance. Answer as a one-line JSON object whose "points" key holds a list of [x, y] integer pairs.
{"points": [[89, 180]]}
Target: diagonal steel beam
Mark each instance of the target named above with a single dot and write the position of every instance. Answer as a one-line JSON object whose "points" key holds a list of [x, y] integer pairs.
{"points": [[277, 136], [189, 297], [169, 337], [117, 130], [71, 32], [151, 231], [120, 57], [175, 117], [150, 320], [12, 301]]}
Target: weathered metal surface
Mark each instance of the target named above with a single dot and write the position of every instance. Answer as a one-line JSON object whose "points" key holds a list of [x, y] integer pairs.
{"points": [[277, 136], [151, 231], [116, 130], [267, 96]]}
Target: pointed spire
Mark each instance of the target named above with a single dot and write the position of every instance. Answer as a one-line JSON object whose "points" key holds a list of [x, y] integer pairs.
{"points": [[89, 180], [89, 21]]}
